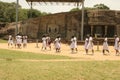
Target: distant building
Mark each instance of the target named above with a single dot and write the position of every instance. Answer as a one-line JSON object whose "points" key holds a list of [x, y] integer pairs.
{"points": [[97, 23]]}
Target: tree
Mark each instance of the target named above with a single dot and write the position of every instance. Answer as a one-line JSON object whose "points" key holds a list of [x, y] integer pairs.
{"points": [[8, 12], [33, 13], [23, 14], [97, 6], [44, 13], [101, 6], [74, 9]]}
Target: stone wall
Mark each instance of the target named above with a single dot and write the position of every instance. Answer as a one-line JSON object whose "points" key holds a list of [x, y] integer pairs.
{"points": [[68, 24]]}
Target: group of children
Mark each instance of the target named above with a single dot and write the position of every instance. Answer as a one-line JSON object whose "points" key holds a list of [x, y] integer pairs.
{"points": [[17, 41], [46, 42], [87, 46]]}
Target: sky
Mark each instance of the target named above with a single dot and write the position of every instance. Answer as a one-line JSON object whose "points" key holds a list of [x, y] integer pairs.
{"points": [[56, 8]]}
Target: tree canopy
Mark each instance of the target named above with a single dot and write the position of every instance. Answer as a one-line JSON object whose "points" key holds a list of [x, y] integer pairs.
{"points": [[97, 6], [8, 12], [101, 6]]}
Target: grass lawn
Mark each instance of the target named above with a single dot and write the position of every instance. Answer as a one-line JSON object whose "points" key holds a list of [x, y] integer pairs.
{"points": [[3, 41], [50, 70], [10, 54], [81, 70]]}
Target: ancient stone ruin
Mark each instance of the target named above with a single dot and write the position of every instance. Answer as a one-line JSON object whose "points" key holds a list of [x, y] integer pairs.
{"points": [[98, 23]]}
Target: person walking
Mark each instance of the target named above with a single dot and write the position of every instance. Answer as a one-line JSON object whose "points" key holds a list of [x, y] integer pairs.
{"points": [[105, 45], [116, 45], [44, 42], [57, 44], [90, 45], [86, 43], [10, 41], [73, 44]]}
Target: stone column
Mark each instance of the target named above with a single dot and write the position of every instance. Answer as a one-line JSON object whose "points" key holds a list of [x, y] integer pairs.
{"points": [[106, 30], [92, 30], [117, 30]]}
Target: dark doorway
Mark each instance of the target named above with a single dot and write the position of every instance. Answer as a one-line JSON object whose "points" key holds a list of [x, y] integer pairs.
{"points": [[111, 31], [98, 31], [87, 31]]}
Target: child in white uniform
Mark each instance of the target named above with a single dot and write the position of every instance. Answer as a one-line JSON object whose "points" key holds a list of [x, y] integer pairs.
{"points": [[24, 41], [48, 42], [86, 43], [90, 45], [73, 43], [57, 44], [116, 46], [105, 45], [10, 40], [44, 42]]}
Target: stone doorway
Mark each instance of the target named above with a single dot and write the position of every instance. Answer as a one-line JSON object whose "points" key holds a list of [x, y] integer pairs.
{"points": [[111, 31]]}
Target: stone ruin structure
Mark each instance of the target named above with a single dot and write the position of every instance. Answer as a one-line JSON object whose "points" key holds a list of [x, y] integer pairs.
{"points": [[98, 23]]}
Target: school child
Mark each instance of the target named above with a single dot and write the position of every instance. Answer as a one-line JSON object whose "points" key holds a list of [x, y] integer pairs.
{"points": [[105, 45], [90, 45], [116, 45], [57, 44], [86, 43], [25, 41], [44, 42], [19, 40], [48, 41], [73, 44], [10, 41]]}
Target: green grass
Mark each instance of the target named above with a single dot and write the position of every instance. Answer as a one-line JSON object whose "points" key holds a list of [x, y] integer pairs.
{"points": [[81, 70], [3, 41], [9, 54], [63, 70]]}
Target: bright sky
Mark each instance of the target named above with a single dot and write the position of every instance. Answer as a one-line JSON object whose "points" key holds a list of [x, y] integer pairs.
{"points": [[112, 4]]}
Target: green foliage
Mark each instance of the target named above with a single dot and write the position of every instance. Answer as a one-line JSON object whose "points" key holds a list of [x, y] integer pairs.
{"points": [[8, 12], [33, 13], [97, 6], [44, 13], [74, 9], [23, 14], [101, 6]]}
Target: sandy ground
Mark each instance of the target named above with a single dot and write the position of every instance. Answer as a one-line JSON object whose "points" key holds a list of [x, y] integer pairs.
{"points": [[65, 51]]}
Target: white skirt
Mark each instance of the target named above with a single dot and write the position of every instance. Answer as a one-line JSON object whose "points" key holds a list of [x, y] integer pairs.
{"points": [[105, 46], [89, 46], [57, 45]]}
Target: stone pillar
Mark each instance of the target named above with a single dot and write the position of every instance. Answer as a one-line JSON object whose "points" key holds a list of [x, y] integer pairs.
{"points": [[92, 30], [82, 22], [117, 30], [106, 30]]}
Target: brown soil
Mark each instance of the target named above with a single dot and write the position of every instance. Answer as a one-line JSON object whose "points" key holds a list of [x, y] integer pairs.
{"points": [[66, 51]]}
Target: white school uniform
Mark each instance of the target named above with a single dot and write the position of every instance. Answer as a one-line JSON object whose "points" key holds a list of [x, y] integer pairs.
{"points": [[90, 43], [19, 39], [116, 46], [57, 43], [44, 42], [86, 43], [10, 40], [24, 39], [105, 44], [48, 41], [73, 43]]}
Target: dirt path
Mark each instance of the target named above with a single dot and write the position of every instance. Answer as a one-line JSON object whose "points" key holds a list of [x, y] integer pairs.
{"points": [[65, 51]]}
